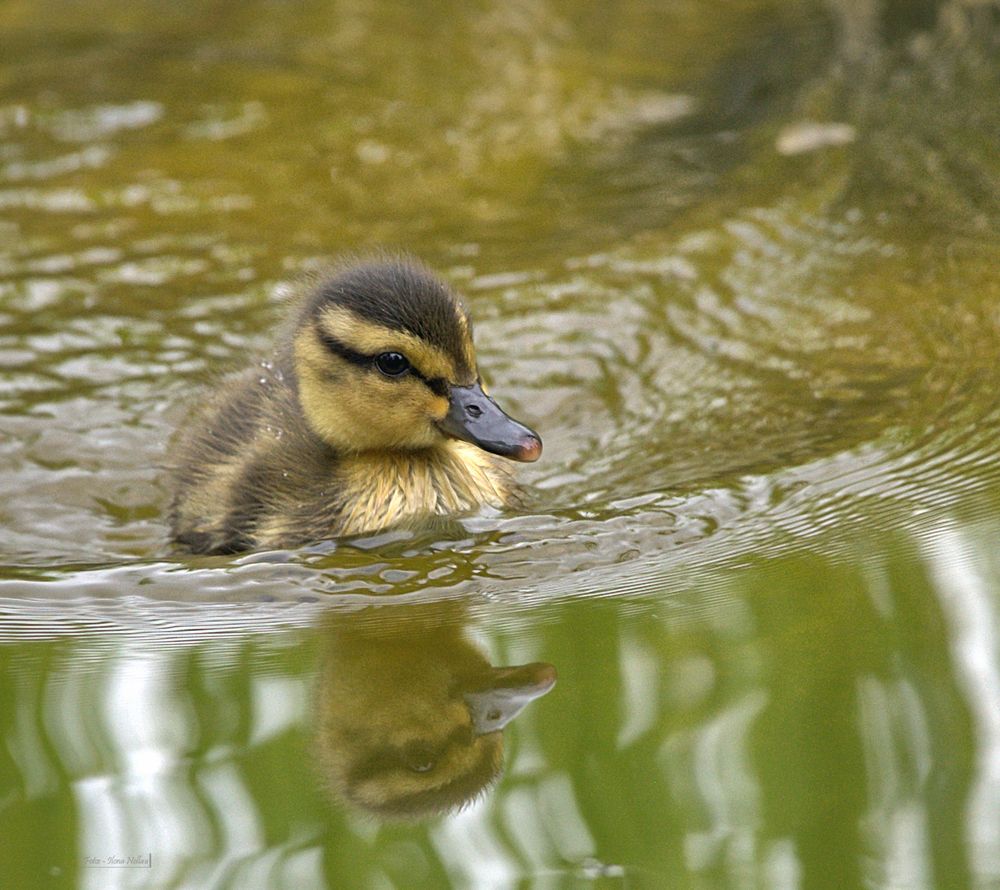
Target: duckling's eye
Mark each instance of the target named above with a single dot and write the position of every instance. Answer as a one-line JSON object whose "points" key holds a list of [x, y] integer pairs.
{"points": [[421, 766], [392, 364], [419, 759]]}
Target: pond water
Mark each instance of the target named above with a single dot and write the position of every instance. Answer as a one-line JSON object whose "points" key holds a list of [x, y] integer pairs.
{"points": [[736, 260]]}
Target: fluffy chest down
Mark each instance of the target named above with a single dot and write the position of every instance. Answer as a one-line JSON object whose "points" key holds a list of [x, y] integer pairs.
{"points": [[381, 490]]}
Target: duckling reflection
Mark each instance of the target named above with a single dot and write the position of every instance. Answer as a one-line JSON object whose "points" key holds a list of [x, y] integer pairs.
{"points": [[411, 714]]}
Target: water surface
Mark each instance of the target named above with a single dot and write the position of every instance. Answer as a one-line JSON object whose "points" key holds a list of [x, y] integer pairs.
{"points": [[735, 260]]}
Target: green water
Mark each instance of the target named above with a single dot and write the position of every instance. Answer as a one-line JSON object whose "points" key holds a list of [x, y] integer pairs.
{"points": [[735, 260]]}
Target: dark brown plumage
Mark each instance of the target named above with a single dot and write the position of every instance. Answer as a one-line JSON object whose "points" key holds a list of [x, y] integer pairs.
{"points": [[404, 297]]}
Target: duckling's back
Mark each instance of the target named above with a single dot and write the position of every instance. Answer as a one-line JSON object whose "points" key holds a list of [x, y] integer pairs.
{"points": [[238, 459]]}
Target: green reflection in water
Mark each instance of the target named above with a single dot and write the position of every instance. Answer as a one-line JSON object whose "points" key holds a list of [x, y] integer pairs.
{"points": [[795, 721]]}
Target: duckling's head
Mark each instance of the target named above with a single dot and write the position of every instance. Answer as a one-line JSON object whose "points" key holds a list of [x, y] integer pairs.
{"points": [[410, 714], [384, 359]]}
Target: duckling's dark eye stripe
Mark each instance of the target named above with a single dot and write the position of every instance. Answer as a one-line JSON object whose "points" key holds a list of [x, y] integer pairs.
{"points": [[437, 385], [383, 761], [339, 349]]}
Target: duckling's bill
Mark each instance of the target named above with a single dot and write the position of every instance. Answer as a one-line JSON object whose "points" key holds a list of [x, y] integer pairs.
{"points": [[509, 692], [475, 417]]}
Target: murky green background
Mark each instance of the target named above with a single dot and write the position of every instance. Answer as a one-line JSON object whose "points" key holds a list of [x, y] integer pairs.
{"points": [[736, 260]]}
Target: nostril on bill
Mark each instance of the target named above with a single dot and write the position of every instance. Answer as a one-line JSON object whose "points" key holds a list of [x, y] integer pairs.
{"points": [[473, 411]]}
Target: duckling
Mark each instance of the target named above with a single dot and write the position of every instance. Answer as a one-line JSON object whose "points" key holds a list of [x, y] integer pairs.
{"points": [[370, 413], [410, 715]]}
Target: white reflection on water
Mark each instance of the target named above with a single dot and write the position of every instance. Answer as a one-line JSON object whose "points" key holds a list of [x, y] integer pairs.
{"points": [[781, 866], [278, 703], [38, 773], [893, 727], [565, 823], [103, 829], [143, 802], [640, 672], [472, 852], [728, 788], [125, 736], [527, 827], [235, 819], [101, 121], [968, 593]]}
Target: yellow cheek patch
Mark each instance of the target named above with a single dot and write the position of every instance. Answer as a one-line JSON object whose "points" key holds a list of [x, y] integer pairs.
{"points": [[439, 407], [310, 354], [355, 409], [366, 337]]}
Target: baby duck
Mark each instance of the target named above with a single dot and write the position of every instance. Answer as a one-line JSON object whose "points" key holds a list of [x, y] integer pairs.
{"points": [[409, 714], [371, 412]]}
